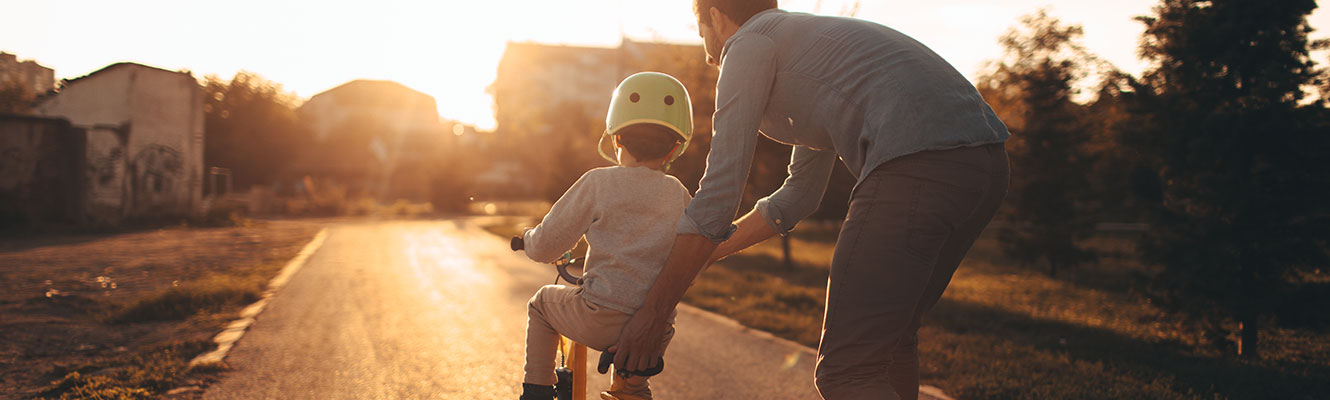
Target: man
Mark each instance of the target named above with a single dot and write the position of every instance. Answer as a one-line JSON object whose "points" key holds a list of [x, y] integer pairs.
{"points": [[926, 150]]}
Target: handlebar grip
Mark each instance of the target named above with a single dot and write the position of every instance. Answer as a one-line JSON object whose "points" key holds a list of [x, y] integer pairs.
{"points": [[517, 243]]}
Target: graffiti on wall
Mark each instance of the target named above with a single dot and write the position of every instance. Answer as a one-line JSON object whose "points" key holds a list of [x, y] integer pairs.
{"points": [[157, 171], [106, 172], [105, 168]]}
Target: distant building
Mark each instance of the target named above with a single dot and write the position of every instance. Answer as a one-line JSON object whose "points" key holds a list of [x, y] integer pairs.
{"points": [[373, 137], [401, 109], [532, 76], [550, 103], [141, 133], [35, 77]]}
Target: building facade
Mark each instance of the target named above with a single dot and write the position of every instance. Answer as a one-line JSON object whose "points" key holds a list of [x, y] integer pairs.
{"points": [[550, 103], [374, 138], [143, 135], [34, 77]]}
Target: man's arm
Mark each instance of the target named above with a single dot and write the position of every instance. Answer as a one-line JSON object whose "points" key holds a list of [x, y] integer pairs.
{"points": [[639, 343], [797, 198], [746, 75], [752, 229]]}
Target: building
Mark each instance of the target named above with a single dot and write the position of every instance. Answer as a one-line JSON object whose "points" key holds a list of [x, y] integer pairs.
{"points": [[40, 170], [140, 130], [34, 77], [534, 76], [550, 103], [373, 137], [401, 109]]}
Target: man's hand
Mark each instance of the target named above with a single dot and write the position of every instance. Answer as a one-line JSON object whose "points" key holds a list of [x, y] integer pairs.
{"points": [[752, 229], [640, 340], [639, 343]]}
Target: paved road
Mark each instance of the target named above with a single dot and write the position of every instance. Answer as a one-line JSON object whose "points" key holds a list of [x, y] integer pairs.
{"points": [[388, 310]]}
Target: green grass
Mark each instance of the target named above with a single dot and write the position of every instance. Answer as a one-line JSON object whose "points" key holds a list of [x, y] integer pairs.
{"points": [[210, 294], [137, 376], [1003, 331], [205, 305]]}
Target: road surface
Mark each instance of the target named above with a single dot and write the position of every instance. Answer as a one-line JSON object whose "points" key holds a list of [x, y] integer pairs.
{"points": [[437, 309]]}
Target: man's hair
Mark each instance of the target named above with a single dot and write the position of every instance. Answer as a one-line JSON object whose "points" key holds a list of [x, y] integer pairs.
{"points": [[647, 142], [738, 10]]}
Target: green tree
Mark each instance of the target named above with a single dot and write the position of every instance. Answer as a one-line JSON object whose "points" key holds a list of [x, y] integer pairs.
{"points": [[251, 127], [1050, 201], [1242, 185]]}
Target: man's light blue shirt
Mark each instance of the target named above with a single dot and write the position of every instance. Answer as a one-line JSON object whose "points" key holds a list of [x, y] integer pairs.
{"points": [[834, 88]]}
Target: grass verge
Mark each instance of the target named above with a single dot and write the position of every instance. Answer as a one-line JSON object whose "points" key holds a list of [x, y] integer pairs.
{"points": [[203, 305], [137, 376], [211, 294], [120, 315]]}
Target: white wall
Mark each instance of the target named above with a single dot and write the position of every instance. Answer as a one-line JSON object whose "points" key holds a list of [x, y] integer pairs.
{"points": [[163, 111]]}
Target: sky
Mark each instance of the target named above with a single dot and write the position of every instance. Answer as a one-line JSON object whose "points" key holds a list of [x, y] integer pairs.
{"points": [[450, 49]]}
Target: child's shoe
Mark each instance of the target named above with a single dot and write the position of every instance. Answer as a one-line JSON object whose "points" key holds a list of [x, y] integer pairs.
{"points": [[537, 392], [631, 388]]}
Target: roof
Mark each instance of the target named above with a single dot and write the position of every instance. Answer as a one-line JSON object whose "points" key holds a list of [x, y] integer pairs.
{"points": [[120, 65], [376, 93], [66, 82]]}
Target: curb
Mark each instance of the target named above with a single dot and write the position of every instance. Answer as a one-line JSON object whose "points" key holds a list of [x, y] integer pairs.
{"points": [[924, 390], [236, 329]]}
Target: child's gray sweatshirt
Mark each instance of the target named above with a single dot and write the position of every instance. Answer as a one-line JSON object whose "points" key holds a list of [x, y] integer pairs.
{"points": [[628, 216]]}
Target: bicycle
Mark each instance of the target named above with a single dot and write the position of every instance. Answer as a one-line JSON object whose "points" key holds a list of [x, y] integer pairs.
{"points": [[570, 383]]}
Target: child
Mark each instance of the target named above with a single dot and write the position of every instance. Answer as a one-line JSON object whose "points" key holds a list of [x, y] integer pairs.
{"points": [[628, 214]]}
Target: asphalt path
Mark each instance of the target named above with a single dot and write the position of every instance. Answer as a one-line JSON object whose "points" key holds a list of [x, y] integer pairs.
{"points": [[437, 310]]}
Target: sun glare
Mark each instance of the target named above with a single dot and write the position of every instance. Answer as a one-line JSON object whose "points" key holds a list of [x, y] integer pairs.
{"points": [[450, 49]]}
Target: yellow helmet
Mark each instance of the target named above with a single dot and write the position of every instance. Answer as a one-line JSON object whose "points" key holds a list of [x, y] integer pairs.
{"points": [[649, 98]]}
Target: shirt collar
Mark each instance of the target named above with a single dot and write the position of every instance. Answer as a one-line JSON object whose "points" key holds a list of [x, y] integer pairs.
{"points": [[747, 24]]}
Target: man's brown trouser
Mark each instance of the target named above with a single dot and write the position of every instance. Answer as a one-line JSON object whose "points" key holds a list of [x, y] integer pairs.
{"points": [[910, 223]]}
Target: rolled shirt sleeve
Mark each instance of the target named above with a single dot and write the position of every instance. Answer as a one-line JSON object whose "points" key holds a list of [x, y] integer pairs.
{"points": [[802, 191], [746, 74]]}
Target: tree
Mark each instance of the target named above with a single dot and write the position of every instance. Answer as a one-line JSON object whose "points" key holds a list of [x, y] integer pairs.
{"points": [[1241, 186], [1049, 201], [251, 127]]}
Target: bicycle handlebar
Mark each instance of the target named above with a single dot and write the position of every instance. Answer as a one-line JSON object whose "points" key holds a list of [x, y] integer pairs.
{"points": [[517, 243]]}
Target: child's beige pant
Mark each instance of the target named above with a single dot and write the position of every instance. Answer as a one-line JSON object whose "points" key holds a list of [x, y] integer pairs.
{"points": [[559, 309]]}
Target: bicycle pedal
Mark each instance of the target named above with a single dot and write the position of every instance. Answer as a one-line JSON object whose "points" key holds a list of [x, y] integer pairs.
{"points": [[563, 385]]}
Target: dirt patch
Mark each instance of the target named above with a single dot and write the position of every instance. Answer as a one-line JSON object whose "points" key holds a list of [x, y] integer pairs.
{"points": [[60, 296]]}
